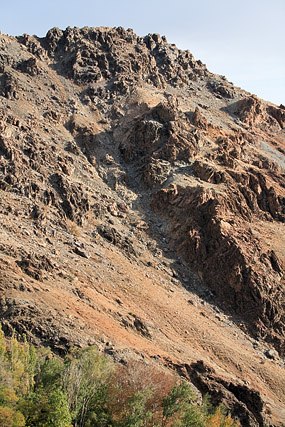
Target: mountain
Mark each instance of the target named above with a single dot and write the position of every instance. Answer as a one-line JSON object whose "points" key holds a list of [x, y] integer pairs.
{"points": [[142, 210]]}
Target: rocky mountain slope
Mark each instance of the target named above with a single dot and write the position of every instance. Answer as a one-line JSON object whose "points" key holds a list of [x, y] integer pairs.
{"points": [[142, 210]]}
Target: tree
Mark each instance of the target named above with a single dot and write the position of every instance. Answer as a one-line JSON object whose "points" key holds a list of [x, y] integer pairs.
{"points": [[59, 414], [9, 414], [2, 343], [137, 387], [83, 380], [177, 402], [138, 414], [44, 409], [192, 417], [23, 359], [10, 417], [50, 373], [220, 419]]}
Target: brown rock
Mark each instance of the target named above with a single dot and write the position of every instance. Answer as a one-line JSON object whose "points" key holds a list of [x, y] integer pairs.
{"points": [[198, 120]]}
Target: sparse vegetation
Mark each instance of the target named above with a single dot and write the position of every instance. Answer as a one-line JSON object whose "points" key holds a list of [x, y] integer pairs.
{"points": [[86, 389]]}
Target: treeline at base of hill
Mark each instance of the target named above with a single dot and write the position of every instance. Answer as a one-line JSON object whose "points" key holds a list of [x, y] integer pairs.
{"points": [[88, 389]]}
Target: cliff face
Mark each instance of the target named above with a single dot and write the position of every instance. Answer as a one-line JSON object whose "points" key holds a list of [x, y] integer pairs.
{"points": [[142, 209]]}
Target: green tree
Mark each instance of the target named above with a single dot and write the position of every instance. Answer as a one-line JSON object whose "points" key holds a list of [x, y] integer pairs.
{"points": [[9, 417], [44, 409], [2, 343], [98, 414], [22, 359], [192, 417], [59, 414], [9, 414], [85, 374], [50, 373], [177, 402], [137, 415]]}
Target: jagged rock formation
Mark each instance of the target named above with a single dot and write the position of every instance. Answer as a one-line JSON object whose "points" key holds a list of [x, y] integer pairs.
{"points": [[130, 174]]}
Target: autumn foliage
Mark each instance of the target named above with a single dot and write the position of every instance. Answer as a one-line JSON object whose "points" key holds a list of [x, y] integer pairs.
{"points": [[37, 389]]}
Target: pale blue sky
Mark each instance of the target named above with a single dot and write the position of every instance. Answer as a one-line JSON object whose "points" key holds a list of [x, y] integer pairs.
{"points": [[241, 39]]}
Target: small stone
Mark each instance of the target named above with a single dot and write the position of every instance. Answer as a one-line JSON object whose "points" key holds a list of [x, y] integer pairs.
{"points": [[81, 252], [271, 354]]}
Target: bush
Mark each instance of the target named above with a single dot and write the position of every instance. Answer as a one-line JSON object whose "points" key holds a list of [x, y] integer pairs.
{"points": [[10, 417]]}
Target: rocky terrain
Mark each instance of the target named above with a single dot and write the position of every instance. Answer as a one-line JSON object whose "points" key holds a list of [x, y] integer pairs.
{"points": [[142, 210]]}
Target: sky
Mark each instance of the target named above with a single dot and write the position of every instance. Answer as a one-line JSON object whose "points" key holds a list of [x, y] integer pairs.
{"points": [[243, 40]]}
